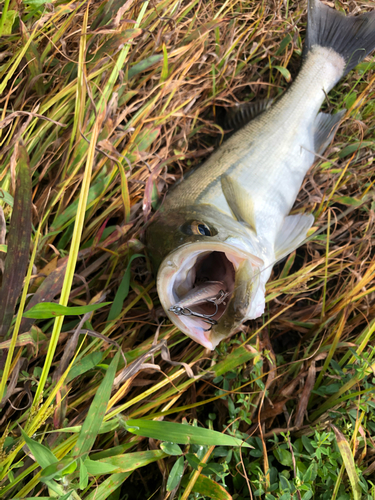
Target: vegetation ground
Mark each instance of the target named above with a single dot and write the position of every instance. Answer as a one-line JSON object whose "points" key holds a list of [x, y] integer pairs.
{"points": [[104, 106]]}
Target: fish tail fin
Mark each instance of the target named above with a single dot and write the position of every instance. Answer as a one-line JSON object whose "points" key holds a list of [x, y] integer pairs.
{"points": [[352, 37]]}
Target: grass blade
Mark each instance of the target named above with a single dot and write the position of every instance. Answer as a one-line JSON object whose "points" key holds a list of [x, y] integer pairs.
{"points": [[176, 474], [45, 310], [108, 486], [181, 434], [122, 291], [18, 243], [78, 227], [349, 464], [97, 410], [42, 454], [211, 489], [125, 463]]}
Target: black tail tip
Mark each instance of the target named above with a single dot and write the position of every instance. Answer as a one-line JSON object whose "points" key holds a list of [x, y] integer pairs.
{"points": [[352, 37]]}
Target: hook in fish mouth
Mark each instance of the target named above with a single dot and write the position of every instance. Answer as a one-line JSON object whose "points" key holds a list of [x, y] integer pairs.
{"points": [[181, 309], [196, 274], [186, 311]]}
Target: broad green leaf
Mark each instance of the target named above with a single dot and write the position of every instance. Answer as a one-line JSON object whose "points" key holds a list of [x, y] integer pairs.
{"points": [[283, 45], [5, 197], [239, 356], [209, 488], [307, 444], [35, 3], [307, 495], [311, 473], [84, 365], [354, 147], [349, 464], [112, 452], [365, 66], [9, 21], [3, 248], [284, 456], [350, 99], [19, 237], [146, 137], [181, 434], [109, 426], [56, 488], [83, 475], [42, 454], [284, 72], [143, 65], [193, 461], [288, 264], [176, 474], [70, 212], [97, 468], [59, 469], [348, 200], [108, 486], [95, 415], [124, 463], [284, 483], [171, 448], [46, 310], [34, 337], [122, 291]]}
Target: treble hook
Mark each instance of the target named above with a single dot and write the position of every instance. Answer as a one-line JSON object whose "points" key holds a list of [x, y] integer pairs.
{"points": [[186, 311]]}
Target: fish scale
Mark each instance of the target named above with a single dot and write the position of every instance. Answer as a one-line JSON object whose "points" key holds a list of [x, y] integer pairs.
{"points": [[241, 197], [258, 168]]}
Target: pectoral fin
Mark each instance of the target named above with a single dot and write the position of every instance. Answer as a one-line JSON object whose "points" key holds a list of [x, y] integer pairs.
{"points": [[325, 128], [292, 234], [239, 201]]}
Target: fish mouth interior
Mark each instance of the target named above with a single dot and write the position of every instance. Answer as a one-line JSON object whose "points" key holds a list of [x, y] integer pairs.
{"points": [[193, 269], [208, 267]]}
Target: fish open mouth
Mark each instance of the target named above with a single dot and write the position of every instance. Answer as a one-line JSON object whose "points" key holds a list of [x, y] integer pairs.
{"points": [[209, 268], [197, 284]]}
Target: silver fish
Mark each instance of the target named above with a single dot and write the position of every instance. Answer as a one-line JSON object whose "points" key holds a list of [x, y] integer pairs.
{"points": [[229, 221]]}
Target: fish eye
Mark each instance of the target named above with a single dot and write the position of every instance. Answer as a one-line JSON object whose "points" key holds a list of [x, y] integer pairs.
{"points": [[199, 228]]}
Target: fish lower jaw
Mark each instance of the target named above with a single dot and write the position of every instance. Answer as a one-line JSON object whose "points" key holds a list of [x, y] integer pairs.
{"points": [[180, 289]]}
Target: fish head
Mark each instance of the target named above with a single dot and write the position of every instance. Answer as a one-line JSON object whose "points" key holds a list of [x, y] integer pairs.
{"points": [[191, 245]]}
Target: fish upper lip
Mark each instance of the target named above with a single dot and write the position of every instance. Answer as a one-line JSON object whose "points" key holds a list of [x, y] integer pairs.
{"points": [[209, 246]]}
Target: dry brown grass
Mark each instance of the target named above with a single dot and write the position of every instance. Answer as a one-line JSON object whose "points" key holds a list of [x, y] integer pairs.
{"points": [[154, 118]]}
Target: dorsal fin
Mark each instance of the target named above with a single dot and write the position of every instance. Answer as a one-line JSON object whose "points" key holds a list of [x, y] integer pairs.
{"points": [[325, 128], [239, 201], [240, 115]]}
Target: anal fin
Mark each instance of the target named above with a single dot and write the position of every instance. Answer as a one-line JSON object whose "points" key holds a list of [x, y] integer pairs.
{"points": [[325, 128], [292, 234], [239, 201]]}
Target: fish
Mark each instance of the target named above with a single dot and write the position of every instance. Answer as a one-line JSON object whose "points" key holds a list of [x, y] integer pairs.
{"points": [[229, 221]]}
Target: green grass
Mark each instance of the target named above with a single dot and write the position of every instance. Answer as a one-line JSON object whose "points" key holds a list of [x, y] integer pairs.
{"points": [[103, 108]]}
